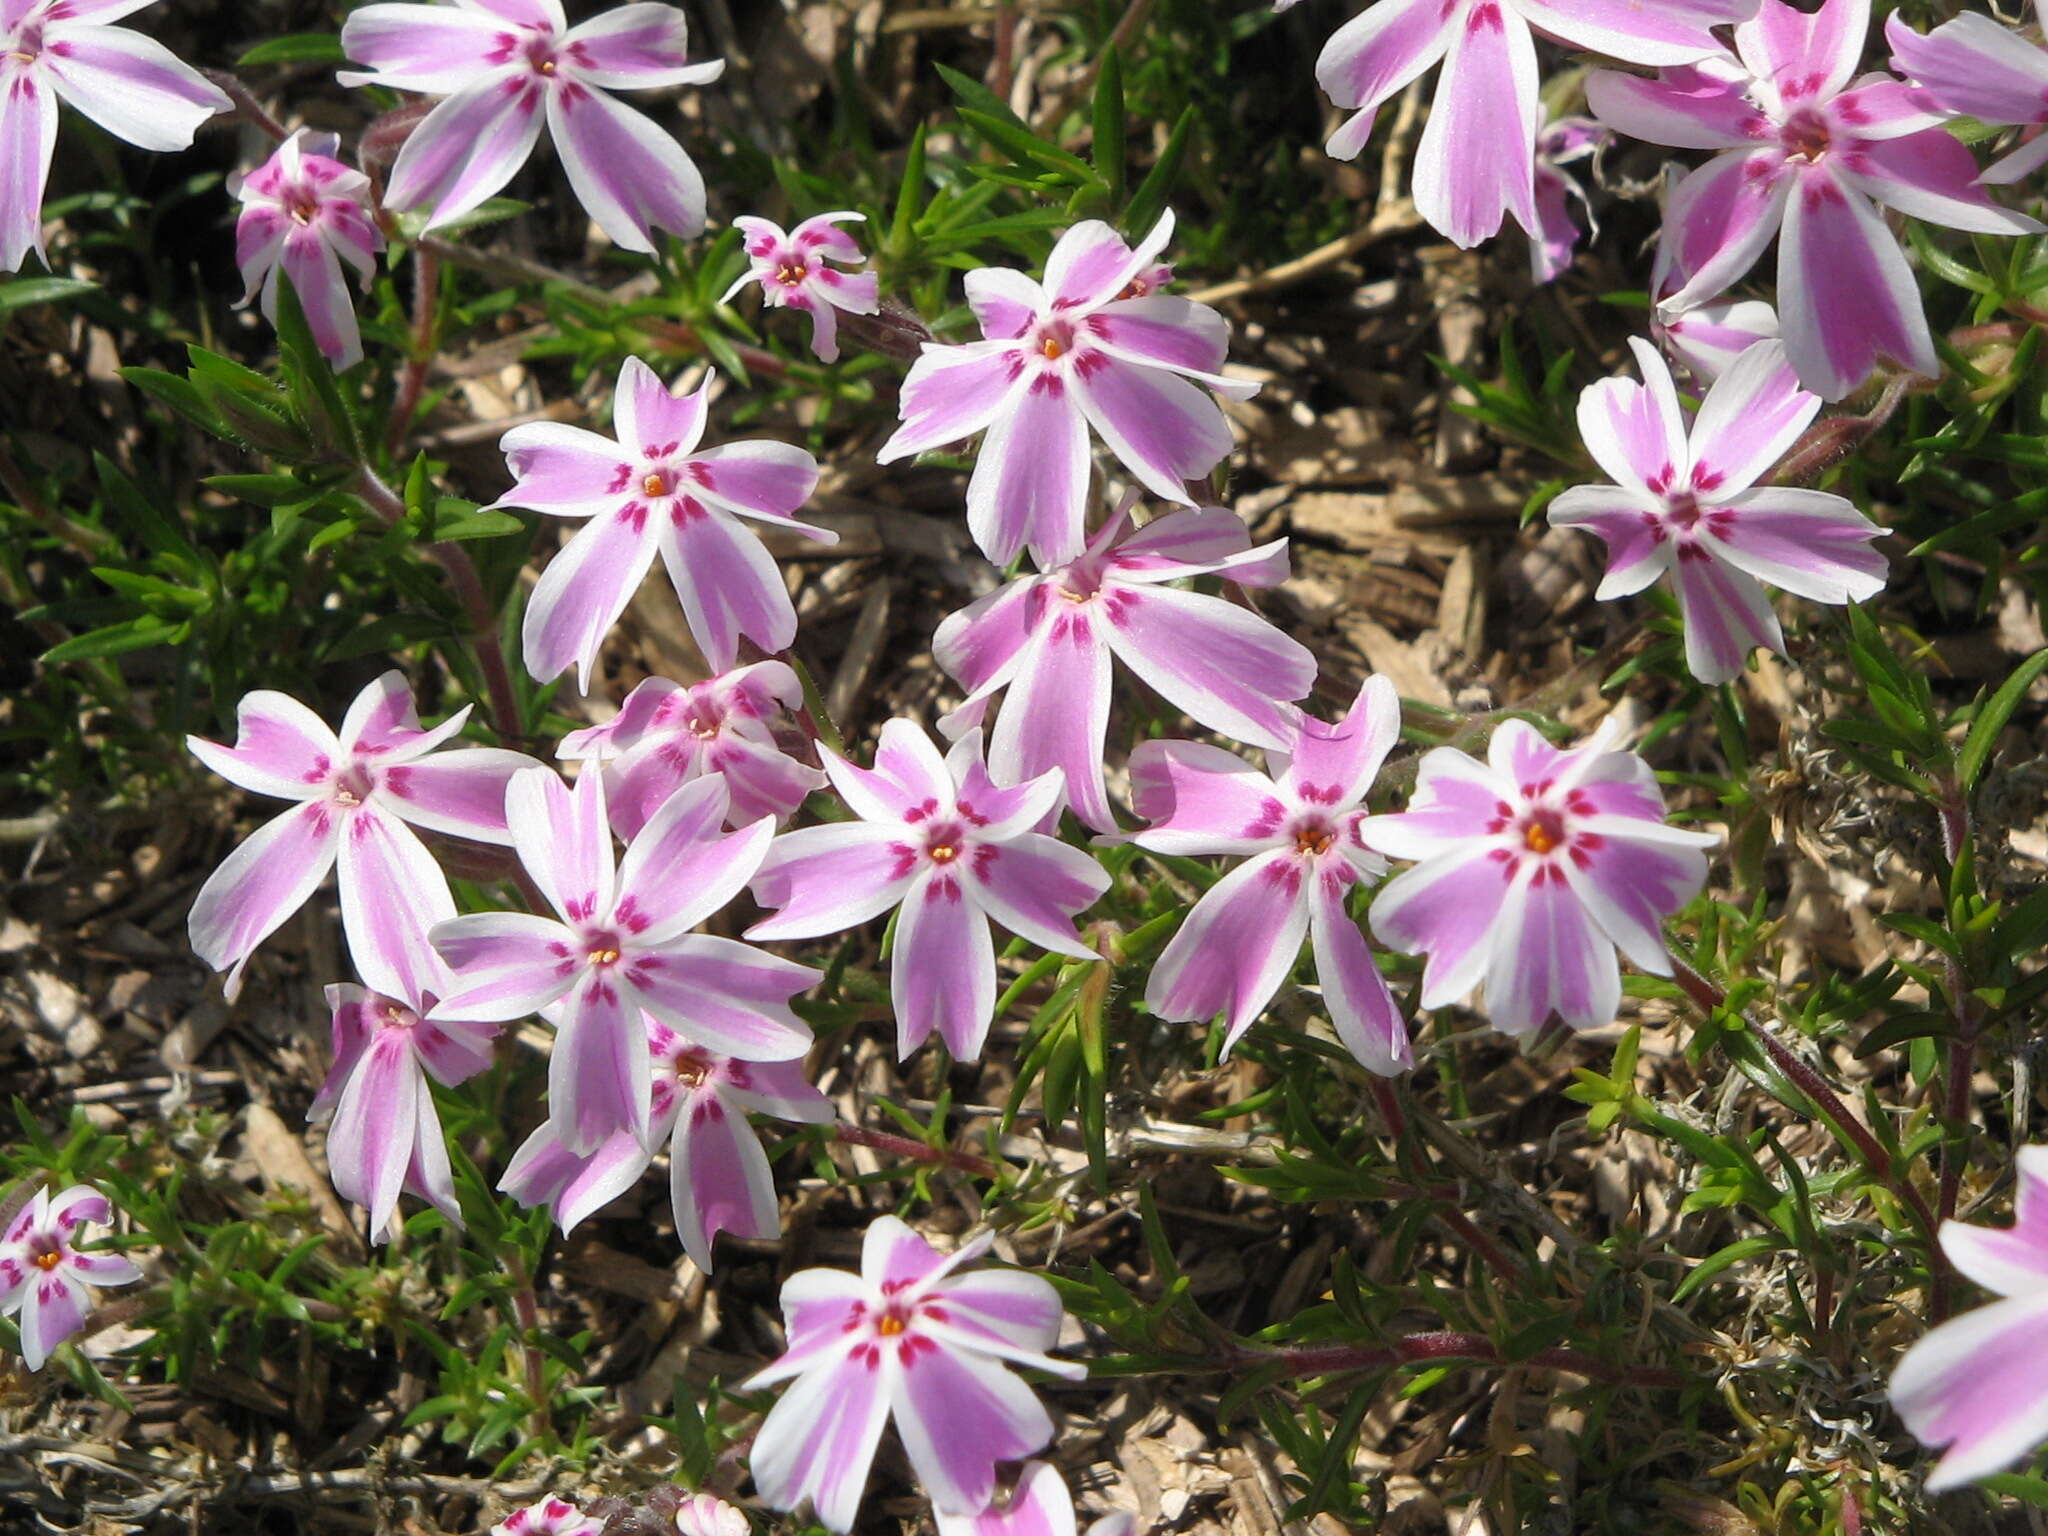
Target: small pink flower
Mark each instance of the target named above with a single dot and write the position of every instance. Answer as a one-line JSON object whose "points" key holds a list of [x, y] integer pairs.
{"points": [[936, 839], [795, 271], [131, 85], [911, 1337], [1978, 1384], [43, 1277], [1533, 867], [704, 1514], [666, 735], [1299, 834], [304, 213], [620, 943], [655, 489], [719, 1179], [385, 1136], [501, 65], [1706, 335], [1038, 1506], [550, 1517], [1692, 505], [1478, 152], [1049, 641], [1092, 346], [1808, 149], [356, 794], [1972, 65]]}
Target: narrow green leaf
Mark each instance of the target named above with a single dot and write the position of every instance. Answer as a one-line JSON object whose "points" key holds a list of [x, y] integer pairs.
{"points": [[1108, 150], [1992, 717], [299, 48], [25, 291], [1149, 201]]}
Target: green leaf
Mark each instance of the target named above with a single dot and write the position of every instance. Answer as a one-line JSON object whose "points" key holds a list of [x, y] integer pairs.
{"points": [[1108, 149], [413, 222], [908, 195], [455, 520], [315, 396], [1026, 147], [298, 48], [180, 394], [1992, 717], [25, 291], [136, 634], [1921, 1024], [974, 94], [1712, 1265]]}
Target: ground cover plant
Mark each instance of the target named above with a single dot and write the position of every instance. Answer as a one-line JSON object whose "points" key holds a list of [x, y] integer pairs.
{"points": [[1309, 815]]}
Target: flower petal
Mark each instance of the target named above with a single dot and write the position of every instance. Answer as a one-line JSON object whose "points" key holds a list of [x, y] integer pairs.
{"points": [[1669, 32], [439, 48], [719, 1180], [1030, 482], [1684, 108], [1225, 666], [1447, 908], [461, 793], [131, 85], [1004, 301], [683, 866], [330, 310], [1806, 55], [726, 996], [1236, 947], [375, 1123], [1813, 544], [1718, 220], [637, 47], [259, 885], [468, 147], [1727, 615], [1931, 175], [1978, 1384], [1630, 886], [758, 479], [584, 589], [1973, 65], [1334, 765], [564, 470], [1036, 886], [28, 139], [951, 393], [281, 748], [818, 1442], [1548, 957], [2010, 1261], [1091, 264], [1056, 714], [577, 1184], [1163, 429], [726, 581], [1361, 1008], [53, 1309], [563, 840], [1636, 432], [942, 973], [1376, 53], [829, 878], [960, 1414], [631, 177], [599, 1078], [1479, 145], [1750, 418], [1202, 800], [1627, 522], [392, 895], [506, 964]]}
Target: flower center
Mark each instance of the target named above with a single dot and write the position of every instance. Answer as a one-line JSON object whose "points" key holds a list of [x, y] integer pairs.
{"points": [[55, 1257], [1543, 831], [691, 1071], [302, 206], [1314, 838], [352, 788], [603, 952], [1136, 288], [28, 43], [943, 853], [891, 1325], [1805, 136], [1683, 512], [655, 485], [703, 725], [398, 1016], [791, 274], [1053, 340]]}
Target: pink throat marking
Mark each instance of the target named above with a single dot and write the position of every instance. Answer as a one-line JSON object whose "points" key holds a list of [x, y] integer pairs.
{"points": [[1805, 136]]}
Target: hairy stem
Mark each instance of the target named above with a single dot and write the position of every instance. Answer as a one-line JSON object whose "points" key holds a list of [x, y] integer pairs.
{"points": [[1954, 808], [915, 1151], [426, 289], [247, 107]]}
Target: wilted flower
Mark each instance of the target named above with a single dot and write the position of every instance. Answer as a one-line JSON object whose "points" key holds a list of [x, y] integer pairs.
{"points": [[550, 1517], [1534, 866], [1692, 506], [1090, 346], [356, 794], [1478, 151], [913, 1338], [130, 85], [43, 1276], [1978, 1384], [654, 489], [1298, 833], [795, 271], [385, 1134], [499, 64], [1972, 65], [1038, 1506], [1808, 147], [719, 1180], [304, 213], [666, 735], [939, 841], [619, 943], [1049, 640], [1560, 142]]}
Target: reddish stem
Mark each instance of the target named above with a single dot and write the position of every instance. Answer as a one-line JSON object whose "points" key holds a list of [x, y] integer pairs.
{"points": [[915, 1151], [1954, 807], [412, 383], [246, 105], [1424, 1348]]}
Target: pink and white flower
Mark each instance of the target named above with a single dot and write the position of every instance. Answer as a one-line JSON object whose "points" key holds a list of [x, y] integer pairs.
{"points": [[1049, 640], [655, 489], [1534, 866], [304, 213], [704, 1514], [131, 85], [1090, 346], [43, 1275], [356, 793], [1476, 160], [503, 65], [550, 1517], [938, 840], [1978, 1384], [666, 734], [1038, 1506], [719, 1179], [1706, 335], [1972, 65], [384, 1135], [794, 270], [1298, 832], [913, 1338], [619, 942], [1691, 505], [1809, 149]]}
